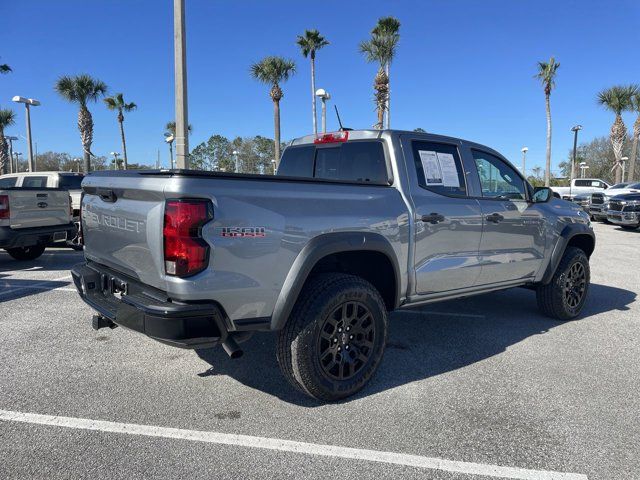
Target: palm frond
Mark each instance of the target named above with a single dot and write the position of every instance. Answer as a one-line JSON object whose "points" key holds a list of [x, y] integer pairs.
{"points": [[80, 88], [546, 73], [273, 70], [618, 98], [311, 42], [387, 26], [7, 118]]}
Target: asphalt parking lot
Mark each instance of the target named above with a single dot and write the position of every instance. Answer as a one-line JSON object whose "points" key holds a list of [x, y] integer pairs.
{"points": [[481, 388]]}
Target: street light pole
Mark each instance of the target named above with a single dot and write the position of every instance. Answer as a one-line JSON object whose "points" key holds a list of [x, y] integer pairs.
{"points": [[324, 96], [11, 139], [524, 151], [182, 122], [27, 103], [17, 155], [169, 139], [115, 160], [235, 158], [575, 131]]}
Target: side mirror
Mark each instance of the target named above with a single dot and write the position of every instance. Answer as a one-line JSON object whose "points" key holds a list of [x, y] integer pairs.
{"points": [[542, 195]]}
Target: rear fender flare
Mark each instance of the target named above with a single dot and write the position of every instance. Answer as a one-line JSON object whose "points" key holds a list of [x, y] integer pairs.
{"points": [[315, 250]]}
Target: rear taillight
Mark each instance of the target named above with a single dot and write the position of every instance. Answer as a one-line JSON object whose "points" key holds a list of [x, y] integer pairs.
{"points": [[335, 137], [185, 251], [5, 211]]}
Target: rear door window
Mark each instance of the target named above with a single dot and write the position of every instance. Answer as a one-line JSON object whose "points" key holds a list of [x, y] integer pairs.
{"points": [[8, 182], [439, 168], [34, 182]]}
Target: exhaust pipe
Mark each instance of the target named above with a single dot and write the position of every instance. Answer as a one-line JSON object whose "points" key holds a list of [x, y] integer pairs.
{"points": [[231, 347]]}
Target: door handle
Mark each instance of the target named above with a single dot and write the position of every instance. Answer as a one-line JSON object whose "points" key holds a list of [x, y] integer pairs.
{"points": [[432, 218], [494, 217]]}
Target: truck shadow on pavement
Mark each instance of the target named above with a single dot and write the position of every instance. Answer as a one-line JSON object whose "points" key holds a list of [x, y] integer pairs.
{"points": [[422, 343]]}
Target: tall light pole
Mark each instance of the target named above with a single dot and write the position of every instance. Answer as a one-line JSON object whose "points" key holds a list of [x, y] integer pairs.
{"points": [[324, 96], [11, 139], [524, 151], [583, 168], [115, 160], [169, 139], [235, 158], [575, 129], [17, 155], [624, 167], [182, 121], [28, 102]]}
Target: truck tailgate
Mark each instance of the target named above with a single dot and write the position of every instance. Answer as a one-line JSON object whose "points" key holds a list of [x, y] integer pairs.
{"points": [[38, 207], [122, 226]]}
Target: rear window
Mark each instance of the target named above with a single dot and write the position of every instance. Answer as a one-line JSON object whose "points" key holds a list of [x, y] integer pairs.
{"points": [[8, 182], [297, 161], [361, 162], [70, 181], [34, 182]]}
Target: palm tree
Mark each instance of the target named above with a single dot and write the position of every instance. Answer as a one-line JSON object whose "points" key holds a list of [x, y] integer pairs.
{"points": [[379, 50], [635, 105], [388, 27], [4, 68], [117, 103], [273, 71], [547, 75], [310, 43], [618, 99], [81, 89], [7, 118]]}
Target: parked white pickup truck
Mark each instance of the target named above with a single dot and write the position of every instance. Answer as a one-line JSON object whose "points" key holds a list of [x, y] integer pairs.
{"points": [[33, 218], [580, 186], [69, 181]]}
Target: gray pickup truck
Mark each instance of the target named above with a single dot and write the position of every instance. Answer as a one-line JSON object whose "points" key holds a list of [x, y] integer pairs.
{"points": [[354, 225], [33, 218]]}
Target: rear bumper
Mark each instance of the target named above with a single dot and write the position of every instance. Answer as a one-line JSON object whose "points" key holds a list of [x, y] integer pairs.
{"points": [[27, 237], [184, 325], [598, 211], [623, 218]]}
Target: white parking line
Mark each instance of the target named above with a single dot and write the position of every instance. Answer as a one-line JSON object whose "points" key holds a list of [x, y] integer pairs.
{"points": [[248, 441], [445, 314], [35, 286]]}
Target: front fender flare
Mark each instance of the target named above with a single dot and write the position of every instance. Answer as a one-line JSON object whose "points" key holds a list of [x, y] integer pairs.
{"points": [[568, 232]]}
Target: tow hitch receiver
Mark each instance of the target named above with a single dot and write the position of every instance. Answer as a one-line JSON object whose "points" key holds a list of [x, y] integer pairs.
{"points": [[98, 322]]}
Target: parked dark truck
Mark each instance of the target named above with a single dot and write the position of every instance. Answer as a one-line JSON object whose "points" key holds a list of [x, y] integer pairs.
{"points": [[354, 225]]}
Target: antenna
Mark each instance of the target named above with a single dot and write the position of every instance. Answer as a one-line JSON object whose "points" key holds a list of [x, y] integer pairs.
{"points": [[338, 115]]}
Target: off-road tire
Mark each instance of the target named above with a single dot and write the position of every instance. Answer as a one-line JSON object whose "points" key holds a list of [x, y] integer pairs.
{"points": [[300, 341], [553, 298], [26, 253]]}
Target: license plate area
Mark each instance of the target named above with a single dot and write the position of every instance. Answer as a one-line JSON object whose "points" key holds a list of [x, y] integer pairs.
{"points": [[111, 285]]}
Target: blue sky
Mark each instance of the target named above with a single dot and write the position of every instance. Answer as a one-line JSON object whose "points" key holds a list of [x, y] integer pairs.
{"points": [[463, 68]]}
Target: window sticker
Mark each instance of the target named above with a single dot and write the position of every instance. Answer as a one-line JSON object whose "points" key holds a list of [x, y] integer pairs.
{"points": [[431, 167], [449, 170]]}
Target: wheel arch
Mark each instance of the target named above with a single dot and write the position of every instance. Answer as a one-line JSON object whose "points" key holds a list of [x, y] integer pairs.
{"points": [[572, 235], [347, 252]]}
